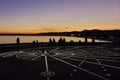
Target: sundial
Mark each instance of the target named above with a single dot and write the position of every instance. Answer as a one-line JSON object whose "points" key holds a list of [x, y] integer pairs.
{"points": [[69, 63]]}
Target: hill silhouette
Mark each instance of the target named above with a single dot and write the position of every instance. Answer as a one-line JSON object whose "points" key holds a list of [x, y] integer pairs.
{"points": [[101, 34]]}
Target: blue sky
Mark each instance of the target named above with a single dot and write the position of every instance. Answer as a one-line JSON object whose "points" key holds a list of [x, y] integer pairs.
{"points": [[33, 16]]}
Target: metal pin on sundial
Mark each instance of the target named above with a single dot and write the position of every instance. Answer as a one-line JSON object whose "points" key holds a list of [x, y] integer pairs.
{"points": [[47, 73]]}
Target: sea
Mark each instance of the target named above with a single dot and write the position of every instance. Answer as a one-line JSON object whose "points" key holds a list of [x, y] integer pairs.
{"points": [[30, 39]]}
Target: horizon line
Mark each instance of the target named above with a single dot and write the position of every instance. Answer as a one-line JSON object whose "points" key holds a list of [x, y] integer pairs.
{"points": [[20, 33]]}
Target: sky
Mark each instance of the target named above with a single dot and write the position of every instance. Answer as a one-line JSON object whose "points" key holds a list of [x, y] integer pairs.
{"points": [[36, 16]]}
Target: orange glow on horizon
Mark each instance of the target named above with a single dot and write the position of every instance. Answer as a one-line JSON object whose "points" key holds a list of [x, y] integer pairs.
{"points": [[44, 30]]}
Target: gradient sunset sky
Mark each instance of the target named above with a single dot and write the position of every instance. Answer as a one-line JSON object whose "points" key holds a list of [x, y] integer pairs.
{"points": [[36, 16]]}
